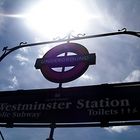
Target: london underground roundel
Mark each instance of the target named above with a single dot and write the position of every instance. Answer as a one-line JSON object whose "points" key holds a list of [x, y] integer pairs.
{"points": [[69, 55]]}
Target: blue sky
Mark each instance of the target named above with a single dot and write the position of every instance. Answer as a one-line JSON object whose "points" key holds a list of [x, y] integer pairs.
{"points": [[117, 56]]}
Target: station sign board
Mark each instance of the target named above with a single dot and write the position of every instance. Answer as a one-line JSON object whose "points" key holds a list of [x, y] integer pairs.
{"points": [[79, 60], [110, 102]]}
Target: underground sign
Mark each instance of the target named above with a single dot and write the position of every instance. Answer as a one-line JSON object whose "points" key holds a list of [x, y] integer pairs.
{"points": [[98, 103], [72, 58]]}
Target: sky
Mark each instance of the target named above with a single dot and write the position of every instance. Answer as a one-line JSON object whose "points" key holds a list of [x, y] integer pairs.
{"points": [[44, 20]]}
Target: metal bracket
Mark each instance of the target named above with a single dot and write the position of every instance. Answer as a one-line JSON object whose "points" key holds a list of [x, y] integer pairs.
{"points": [[68, 38]]}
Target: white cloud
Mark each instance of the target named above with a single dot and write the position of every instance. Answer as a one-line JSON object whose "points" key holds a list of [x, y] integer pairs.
{"points": [[117, 129], [86, 77], [42, 51], [25, 50], [21, 59], [14, 83], [11, 67], [133, 76]]}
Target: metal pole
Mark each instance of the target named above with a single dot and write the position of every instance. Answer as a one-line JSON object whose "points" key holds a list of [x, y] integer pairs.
{"points": [[51, 132], [66, 53], [63, 70], [1, 135]]}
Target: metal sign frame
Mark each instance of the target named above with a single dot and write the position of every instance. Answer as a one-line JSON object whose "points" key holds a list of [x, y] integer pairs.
{"points": [[7, 51]]}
